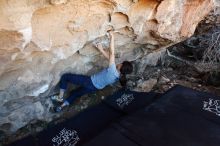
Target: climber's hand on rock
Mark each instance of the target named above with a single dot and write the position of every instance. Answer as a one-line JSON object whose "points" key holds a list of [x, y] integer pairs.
{"points": [[98, 45], [100, 48]]}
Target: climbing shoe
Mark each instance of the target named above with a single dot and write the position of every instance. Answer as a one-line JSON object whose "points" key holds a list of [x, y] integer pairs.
{"points": [[56, 98], [58, 109]]}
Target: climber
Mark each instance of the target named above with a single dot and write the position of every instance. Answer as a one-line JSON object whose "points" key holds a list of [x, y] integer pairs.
{"points": [[90, 84]]}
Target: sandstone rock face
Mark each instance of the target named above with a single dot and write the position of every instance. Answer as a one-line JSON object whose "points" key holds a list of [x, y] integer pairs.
{"points": [[41, 39]]}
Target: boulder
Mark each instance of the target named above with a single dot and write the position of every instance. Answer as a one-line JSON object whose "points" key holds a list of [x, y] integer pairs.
{"points": [[40, 40]]}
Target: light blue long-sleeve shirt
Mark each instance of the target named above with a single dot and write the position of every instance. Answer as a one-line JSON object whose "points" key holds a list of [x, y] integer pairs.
{"points": [[105, 77]]}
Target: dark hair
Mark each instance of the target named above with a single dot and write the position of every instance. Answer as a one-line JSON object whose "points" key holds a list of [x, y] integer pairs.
{"points": [[126, 68]]}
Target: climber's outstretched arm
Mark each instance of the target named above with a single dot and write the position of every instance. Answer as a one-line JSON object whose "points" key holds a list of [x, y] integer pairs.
{"points": [[111, 54], [112, 49], [100, 48]]}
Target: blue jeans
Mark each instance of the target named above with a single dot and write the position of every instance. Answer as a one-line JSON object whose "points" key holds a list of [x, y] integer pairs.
{"points": [[85, 82]]}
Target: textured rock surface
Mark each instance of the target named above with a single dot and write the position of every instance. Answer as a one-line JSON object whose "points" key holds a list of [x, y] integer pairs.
{"points": [[145, 86], [41, 39]]}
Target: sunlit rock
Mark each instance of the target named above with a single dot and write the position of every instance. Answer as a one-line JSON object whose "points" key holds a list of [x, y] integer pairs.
{"points": [[40, 40]]}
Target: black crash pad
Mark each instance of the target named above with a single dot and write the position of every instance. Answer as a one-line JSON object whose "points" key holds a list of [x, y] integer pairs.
{"points": [[83, 127], [180, 117]]}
